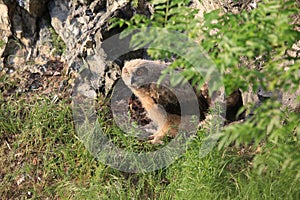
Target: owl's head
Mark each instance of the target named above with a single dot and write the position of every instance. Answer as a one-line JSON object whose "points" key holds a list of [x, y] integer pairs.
{"points": [[139, 72]]}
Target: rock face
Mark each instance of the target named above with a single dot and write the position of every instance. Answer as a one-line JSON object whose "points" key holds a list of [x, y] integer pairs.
{"points": [[36, 8], [19, 31], [81, 25], [4, 29]]}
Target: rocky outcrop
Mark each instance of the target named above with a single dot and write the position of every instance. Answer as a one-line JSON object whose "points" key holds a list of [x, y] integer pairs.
{"points": [[84, 25], [36, 8], [20, 21], [4, 29]]}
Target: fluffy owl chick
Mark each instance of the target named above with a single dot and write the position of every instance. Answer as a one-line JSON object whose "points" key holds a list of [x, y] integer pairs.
{"points": [[159, 102]]}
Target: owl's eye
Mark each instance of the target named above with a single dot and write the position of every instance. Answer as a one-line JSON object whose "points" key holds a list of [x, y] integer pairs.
{"points": [[139, 72]]}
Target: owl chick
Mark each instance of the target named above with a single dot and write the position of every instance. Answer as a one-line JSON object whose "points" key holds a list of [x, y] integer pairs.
{"points": [[160, 103]]}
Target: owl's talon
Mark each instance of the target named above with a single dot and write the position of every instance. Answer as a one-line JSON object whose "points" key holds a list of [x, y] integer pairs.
{"points": [[156, 141], [151, 137]]}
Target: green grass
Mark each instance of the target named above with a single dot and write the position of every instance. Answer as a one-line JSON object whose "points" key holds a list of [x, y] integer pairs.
{"points": [[57, 42], [2, 43], [38, 143]]}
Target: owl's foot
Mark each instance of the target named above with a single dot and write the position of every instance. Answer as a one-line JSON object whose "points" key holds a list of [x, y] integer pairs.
{"points": [[156, 138], [166, 130]]}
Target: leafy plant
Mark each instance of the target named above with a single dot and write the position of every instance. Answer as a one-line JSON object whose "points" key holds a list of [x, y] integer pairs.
{"points": [[2, 43], [57, 43], [249, 50]]}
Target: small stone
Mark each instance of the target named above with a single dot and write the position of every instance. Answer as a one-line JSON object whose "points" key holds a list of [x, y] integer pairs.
{"points": [[214, 21], [291, 53], [296, 46], [20, 180], [213, 31]]}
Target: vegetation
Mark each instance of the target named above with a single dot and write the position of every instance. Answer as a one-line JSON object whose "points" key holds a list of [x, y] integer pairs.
{"points": [[233, 41], [41, 156], [58, 44], [2, 43]]}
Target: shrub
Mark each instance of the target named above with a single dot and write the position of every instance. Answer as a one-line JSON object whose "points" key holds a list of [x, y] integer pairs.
{"points": [[249, 50]]}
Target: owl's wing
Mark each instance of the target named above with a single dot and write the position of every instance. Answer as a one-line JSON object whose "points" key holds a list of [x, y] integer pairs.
{"points": [[179, 100]]}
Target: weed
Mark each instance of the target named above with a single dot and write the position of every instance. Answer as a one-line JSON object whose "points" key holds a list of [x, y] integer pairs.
{"points": [[57, 42]]}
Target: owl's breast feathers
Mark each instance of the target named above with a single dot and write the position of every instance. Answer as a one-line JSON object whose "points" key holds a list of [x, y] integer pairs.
{"points": [[158, 94]]}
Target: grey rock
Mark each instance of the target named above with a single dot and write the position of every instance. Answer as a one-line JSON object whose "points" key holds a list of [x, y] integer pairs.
{"points": [[4, 27], [264, 95], [84, 25], [77, 24], [44, 45], [249, 96], [1, 65], [111, 77], [25, 33], [296, 46], [18, 22], [36, 8], [59, 11], [14, 55], [293, 54], [291, 100]]}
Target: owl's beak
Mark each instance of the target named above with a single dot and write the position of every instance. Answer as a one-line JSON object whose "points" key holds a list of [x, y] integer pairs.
{"points": [[136, 82], [132, 80]]}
